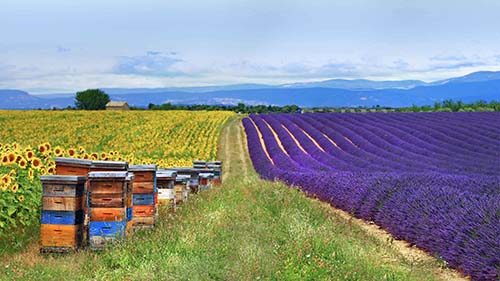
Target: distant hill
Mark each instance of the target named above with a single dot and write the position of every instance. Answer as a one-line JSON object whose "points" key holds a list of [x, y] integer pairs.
{"points": [[357, 84], [483, 85]]}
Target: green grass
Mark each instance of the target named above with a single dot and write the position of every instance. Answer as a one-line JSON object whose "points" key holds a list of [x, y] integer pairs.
{"points": [[246, 229]]}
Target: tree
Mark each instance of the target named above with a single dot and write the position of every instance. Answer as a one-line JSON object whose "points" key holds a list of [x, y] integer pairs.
{"points": [[92, 99]]}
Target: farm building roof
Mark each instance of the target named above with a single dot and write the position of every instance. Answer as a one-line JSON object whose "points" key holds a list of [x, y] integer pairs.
{"points": [[117, 103]]}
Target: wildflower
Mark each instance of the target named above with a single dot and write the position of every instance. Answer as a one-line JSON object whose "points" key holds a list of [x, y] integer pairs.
{"points": [[22, 164], [37, 163], [31, 174], [30, 155], [58, 151], [42, 148], [6, 179], [12, 157]]}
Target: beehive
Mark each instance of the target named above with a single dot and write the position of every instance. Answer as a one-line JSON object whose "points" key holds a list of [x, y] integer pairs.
{"points": [[165, 181], [205, 180], [181, 188], [75, 167], [61, 228], [110, 206], [199, 164], [144, 196], [216, 167]]}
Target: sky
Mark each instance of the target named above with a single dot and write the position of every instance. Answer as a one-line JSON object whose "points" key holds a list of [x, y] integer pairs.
{"points": [[63, 46]]}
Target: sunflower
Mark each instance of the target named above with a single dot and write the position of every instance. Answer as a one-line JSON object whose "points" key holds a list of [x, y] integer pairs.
{"points": [[71, 152], [22, 164], [82, 150], [42, 148], [37, 163], [6, 179], [51, 170], [12, 157], [31, 174], [30, 154], [21, 198], [14, 187], [58, 151], [43, 170], [3, 187], [86, 156], [12, 172], [94, 156], [104, 156], [47, 146], [5, 159]]}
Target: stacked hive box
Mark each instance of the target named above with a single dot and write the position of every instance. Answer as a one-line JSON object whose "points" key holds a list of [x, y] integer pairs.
{"points": [[206, 181], [181, 188], [199, 164], [165, 181], [192, 175], [75, 167], [61, 228], [110, 206], [144, 196], [216, 167]]}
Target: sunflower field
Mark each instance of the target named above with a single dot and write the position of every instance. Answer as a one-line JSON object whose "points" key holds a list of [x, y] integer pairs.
{"points": [[30, 140]]}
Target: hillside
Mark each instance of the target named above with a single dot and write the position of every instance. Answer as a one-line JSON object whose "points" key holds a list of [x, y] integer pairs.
{"points": [[329, 93]]}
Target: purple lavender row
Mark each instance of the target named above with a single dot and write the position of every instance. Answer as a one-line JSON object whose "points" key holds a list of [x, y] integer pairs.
{"points": [[447, 128], [419, 138], [428, 163], [332, 155], [422, 155]]}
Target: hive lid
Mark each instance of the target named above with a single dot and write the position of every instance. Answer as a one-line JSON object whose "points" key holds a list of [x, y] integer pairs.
{"points": [[73, 161], [182, 178], [166, 174], [122, 175], [206, 175], [51, 178], [142, 168], [115, 165], [199, 162]]}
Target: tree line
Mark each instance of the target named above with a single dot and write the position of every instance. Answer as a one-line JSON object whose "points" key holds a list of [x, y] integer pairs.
{"points": [[240, 108], [95, 99]]}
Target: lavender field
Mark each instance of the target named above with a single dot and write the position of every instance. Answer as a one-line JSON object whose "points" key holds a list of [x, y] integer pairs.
{"points": [[432, 179]]}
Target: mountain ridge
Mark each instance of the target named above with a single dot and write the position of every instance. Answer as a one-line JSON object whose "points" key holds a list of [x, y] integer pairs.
{"points": [[476, 86]]}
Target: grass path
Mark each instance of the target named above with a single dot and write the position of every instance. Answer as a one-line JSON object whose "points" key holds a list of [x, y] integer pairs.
{"points": [[246, 229]]}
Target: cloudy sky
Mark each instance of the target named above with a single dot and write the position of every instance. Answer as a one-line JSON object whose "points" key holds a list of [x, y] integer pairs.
{"points": [[62, 46]]}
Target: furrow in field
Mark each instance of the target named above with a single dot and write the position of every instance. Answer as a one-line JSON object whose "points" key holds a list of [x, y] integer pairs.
{"points": [[262, 143]]}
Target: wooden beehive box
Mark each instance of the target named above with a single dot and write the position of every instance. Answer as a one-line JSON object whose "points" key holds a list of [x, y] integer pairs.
{"points": [[61, 222], [200, 164], [144, 196], [110, 206], [106, 166], [72, 166], [181, 188], [205, 180], [165, 180], [216, 167]]}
